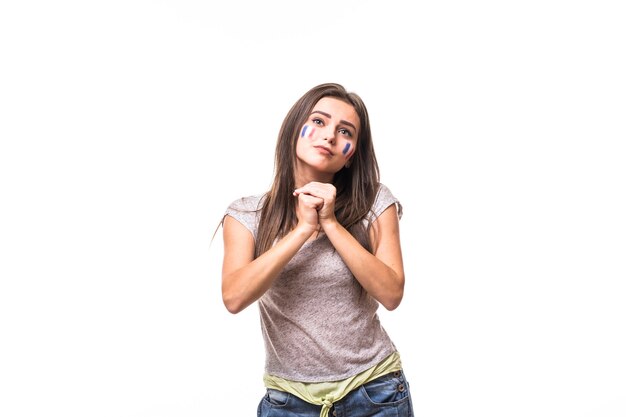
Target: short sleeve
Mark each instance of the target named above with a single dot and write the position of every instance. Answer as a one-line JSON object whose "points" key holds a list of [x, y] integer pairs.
{"points": [[247, 211], [384, 198]]}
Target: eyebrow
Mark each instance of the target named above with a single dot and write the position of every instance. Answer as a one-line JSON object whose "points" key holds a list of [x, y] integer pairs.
{"points": [[330, 117]]}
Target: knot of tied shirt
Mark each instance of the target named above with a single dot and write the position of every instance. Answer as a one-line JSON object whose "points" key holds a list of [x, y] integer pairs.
{"points": [[327, 403]]}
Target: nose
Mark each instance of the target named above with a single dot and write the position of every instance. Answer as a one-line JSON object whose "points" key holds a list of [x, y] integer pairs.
{"points": [[329, 135]]}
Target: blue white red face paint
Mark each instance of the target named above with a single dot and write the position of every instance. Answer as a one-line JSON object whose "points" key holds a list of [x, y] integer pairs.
{"points": [[307, 131], [347, 151]]}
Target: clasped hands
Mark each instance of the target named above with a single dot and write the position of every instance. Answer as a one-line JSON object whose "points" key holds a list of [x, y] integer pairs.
{"points": [[316, 204]]}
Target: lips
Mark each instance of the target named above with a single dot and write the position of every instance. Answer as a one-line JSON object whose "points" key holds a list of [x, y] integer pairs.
{"points": [[324, 150]]}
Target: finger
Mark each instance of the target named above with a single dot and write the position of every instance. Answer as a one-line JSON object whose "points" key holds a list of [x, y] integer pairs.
{"points": [[304, 189], [311, 201], [313, 188]]}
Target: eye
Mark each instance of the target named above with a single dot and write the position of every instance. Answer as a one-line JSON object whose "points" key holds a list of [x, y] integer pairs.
{"points": [[346, 132], [317, 121]]}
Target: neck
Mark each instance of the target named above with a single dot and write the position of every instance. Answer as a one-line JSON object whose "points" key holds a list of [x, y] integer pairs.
{"points": [[305, 176]]}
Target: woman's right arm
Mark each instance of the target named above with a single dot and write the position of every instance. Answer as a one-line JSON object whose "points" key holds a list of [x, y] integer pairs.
{"points": [[245, 279]]}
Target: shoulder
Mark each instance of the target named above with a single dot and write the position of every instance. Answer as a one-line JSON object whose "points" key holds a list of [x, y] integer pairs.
{"points": [[384, 199], [247, 210], [246, 204]]}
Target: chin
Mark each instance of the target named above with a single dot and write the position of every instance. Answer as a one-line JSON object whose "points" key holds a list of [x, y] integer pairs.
{"points": [[315, 164]]}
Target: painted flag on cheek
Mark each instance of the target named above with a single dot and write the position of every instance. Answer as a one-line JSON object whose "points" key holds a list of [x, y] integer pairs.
{"points": [[307, 131], [348, 150]]}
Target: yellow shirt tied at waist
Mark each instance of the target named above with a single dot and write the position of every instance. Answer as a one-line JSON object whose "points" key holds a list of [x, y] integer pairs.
{"points": [[327, 393]]}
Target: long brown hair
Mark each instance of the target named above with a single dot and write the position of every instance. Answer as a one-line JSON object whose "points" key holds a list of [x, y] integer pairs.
{"points": [[356, 186]]}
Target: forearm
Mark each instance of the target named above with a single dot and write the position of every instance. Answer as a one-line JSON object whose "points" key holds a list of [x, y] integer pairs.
{"points": [[382, 281], [246, 284]]}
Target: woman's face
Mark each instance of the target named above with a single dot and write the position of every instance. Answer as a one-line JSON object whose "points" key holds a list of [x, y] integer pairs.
{"points": [[328, 138]]}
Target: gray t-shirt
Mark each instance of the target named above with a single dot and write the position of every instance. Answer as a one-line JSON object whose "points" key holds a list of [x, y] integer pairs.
{"points": [[318, 323]]}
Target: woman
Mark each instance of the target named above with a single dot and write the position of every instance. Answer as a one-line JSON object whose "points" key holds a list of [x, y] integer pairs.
{"points": [[319, 252]]}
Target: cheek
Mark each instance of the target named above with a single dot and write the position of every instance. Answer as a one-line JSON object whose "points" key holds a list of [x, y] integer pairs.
{"points": [[307, 131], [348, 150], [300, 145]]}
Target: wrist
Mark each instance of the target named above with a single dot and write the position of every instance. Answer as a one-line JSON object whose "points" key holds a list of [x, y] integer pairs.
{"points": [[305, 230], [329, 224]]}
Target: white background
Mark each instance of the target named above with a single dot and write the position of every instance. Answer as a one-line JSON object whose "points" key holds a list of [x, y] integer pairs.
{"points": [[127, 127]]}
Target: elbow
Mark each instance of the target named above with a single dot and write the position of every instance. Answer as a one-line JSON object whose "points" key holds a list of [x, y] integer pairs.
{"points": [[394, 298], [232, 297], [232, 309], [232, 301], [235, 297], [232, 305], [394, 301]]}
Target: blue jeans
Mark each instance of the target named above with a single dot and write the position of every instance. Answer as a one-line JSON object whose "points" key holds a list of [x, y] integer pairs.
{"points": [[386, 396]]}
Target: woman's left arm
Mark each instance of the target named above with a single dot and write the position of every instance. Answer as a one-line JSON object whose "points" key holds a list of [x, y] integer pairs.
{"points": [[381, 273]]}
